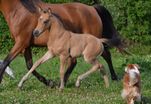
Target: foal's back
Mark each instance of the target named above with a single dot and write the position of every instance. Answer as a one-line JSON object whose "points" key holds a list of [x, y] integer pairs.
{"points": [[85, 44]]}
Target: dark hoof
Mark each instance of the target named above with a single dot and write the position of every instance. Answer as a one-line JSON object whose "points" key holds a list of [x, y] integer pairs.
{"points": [[50, 83], [115, 78]]}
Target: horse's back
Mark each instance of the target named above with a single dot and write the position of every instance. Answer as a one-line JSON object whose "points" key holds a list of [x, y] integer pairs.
{"points": [[79, 18], [76, 17]]}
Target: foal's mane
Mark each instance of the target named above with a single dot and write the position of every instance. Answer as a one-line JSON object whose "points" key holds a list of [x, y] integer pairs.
{"points": [[31, 5], [58, 17]]}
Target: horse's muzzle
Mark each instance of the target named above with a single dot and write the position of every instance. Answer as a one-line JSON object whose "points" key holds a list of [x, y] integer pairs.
{"points": [[36, 33]]}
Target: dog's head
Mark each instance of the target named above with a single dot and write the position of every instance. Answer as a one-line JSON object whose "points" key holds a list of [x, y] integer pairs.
{"points": [[132, 67]]}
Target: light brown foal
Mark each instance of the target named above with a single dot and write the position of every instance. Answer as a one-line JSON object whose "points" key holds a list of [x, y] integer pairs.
{"points": [[65, 44]]}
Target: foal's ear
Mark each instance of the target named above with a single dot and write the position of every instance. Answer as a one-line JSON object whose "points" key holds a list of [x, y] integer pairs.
{"points": [[39, 9], [49, 10]]}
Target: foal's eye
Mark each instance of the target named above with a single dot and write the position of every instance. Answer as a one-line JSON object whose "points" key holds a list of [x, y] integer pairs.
{"points": [[45, 22]]}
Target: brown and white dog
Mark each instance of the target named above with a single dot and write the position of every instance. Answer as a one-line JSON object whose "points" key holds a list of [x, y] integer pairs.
{"points": [[131, 84]]}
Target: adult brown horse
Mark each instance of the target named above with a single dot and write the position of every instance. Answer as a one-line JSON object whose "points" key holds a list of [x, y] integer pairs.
{"points": [[21, 17]]}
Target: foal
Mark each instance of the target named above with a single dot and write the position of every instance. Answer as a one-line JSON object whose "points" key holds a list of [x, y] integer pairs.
{"points": [[65, 44]]}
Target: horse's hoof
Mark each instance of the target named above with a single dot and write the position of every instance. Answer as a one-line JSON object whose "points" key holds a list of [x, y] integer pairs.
{"points": [[50, 83], [115, 78]]}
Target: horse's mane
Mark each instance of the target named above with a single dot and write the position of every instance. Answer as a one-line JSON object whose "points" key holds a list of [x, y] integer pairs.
{"points": [[30, 5]]}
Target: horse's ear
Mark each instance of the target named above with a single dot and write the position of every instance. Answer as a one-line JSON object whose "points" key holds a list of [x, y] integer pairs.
{"points": [[49, 10]]}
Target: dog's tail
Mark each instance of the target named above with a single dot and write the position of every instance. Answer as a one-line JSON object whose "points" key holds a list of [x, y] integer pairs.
{"points": [[133, 77]]}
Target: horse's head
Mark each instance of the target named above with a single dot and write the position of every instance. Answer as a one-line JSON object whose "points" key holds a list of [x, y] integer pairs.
{"points": [[44, 21]]}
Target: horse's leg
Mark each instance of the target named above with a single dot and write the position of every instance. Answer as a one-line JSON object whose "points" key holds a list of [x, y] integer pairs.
{"points": [[95, 66], [62, 71], [107, 56], [29, 63], [18, 47], [44, 58], [71, 64]]}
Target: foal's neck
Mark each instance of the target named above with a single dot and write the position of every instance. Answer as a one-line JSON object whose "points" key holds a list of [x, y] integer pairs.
{"points": [[57, 28]]}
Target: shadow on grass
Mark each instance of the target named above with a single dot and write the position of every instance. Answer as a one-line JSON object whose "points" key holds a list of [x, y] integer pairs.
{"points": [[146, 100]]}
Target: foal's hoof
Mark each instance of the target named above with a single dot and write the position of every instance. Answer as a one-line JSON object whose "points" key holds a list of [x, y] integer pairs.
{"points": [[77, 84], [50, 83], [60, 89], [20, 86]]}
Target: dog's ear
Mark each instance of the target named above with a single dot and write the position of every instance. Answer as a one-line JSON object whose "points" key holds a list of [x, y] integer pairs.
{"points": [[126, 69], [136, 65]]}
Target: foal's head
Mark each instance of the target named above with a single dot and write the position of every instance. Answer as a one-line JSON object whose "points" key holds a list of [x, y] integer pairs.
{"points": [[44, 21]]}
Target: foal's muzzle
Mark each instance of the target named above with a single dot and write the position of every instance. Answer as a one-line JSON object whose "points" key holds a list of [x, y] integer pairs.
{"points": [[36, 33]]}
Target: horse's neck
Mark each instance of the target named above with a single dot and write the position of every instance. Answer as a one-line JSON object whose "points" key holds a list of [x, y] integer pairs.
{"points": [[8, 8], [11, 11], [15, 14], [57, 29]]}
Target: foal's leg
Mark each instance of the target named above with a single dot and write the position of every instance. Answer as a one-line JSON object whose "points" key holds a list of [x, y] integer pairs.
{"points": [[95, 66], [105, 77], [62, 71], [107, 56], [47, 56], [29, 63], [71, 64]]}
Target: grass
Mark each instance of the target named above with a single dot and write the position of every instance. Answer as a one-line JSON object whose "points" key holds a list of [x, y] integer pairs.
{"points": [[91, 91]]}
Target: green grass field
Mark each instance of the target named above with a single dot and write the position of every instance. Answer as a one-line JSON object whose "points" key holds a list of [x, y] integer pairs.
{"points": [[91, 91]]}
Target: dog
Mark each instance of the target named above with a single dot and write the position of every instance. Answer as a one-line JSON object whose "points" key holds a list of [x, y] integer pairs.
{"points": [[131, 84], [8, 70]]}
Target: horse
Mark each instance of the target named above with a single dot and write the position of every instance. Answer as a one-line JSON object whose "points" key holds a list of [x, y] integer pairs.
{"points": [[22, 15], [8, 71], [64, 44]]}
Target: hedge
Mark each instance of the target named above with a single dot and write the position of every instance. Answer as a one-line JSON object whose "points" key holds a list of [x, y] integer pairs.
{"points": [[131, 18]]}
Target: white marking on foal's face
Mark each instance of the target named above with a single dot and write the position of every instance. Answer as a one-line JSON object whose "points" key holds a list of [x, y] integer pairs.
{"points": [[41, 17]]}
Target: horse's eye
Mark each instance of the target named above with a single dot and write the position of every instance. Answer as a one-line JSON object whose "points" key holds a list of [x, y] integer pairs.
{"points": [[45, 22]]}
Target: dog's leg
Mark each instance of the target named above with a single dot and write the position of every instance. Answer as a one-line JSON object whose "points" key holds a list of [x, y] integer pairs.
{"points": [[132, 101]]}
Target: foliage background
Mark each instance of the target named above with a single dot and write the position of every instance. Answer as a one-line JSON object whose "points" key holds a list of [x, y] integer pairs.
{"points": [[131, 18]]}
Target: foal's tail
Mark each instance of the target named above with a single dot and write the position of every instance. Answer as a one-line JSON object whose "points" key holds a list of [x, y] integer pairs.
{"points": [[109, 30], [109, 42]]}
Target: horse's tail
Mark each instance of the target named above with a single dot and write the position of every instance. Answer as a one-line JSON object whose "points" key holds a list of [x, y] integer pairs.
{"points": [[109, 30]]}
